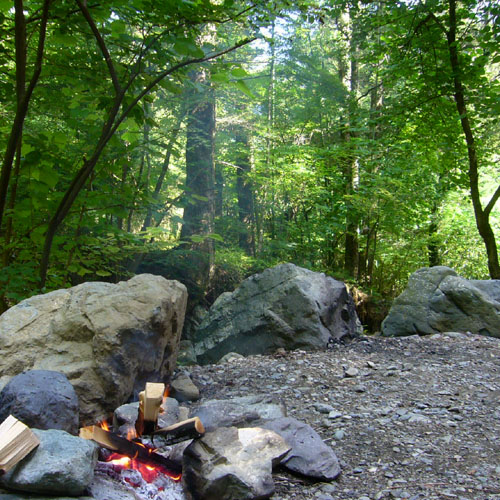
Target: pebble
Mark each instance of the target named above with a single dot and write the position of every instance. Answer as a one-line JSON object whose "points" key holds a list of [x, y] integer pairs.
{"points": [[351, 372], [403, 425], [323, 408], [339, 434], [334, 414]]}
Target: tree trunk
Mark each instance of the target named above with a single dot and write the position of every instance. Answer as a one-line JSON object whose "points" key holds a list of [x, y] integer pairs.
{"points": [[244, 192], [200, 182], [23, 95], [481, 214], [349, 160]]}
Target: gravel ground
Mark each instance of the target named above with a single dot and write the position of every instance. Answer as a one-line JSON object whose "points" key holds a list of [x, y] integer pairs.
{"points": [[409, 418]]}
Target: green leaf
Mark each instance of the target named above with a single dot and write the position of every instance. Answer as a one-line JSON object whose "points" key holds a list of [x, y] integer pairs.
{"points": [[101, 272], [6, 5], [187, 47], [118, 27], [239, 73], [49, 177], [241, 85], [216, 237], [220, 77]]}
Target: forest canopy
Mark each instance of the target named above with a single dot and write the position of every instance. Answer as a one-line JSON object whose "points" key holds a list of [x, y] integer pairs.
{"points": [[356, 138]]}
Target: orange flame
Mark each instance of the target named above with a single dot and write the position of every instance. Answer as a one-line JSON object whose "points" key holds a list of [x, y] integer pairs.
{"points": [[148, 472], [166, 394], [104, 425]]}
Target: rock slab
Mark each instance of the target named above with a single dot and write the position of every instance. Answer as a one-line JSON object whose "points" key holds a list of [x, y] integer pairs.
{"points": [[437, 300], [108, 339], [238, 412], [41, 398], [283, 307], [61, 465], [232, 464], [309, 455]]}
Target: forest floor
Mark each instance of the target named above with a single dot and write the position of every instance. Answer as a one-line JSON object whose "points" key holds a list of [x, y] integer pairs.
{"points": [[418, 417]]}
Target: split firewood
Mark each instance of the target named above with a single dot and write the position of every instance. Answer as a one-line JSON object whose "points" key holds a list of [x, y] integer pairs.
{"points": [[131, 449], [150, 401], [16, 441], [182, 431]]}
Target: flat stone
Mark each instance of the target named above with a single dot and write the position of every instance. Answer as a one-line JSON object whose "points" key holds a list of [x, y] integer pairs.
{"points": [[238, 412], [231, 356], [351, 372], [309, 456], [61, 465], [334, 414], [233, 464]]}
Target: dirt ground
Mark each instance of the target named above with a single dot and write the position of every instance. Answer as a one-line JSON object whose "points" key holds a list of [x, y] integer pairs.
{"points": [[409, 418]]}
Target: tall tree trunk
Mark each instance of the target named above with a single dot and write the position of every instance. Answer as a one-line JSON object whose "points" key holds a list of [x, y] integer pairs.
{"points": [[350, 160], [244, 191], [23, 94], [200, 182], [482, 215], [270, 126]]}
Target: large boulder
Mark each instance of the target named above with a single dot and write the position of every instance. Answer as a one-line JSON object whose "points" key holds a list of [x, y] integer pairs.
{"points": [[285, 306], [438, 300], [108, 339]]}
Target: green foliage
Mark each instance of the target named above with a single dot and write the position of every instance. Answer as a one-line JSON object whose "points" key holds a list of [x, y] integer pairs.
{"points": [[385, 156]]}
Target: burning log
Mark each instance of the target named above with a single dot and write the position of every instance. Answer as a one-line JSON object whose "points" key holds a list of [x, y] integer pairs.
{"points": [[182, 431], [130, 449], [16, 441], [149, 406]]}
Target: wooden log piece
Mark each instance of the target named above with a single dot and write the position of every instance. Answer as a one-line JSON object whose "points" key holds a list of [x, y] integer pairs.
{"points": [[131, 449], [16, 441], [182, 431], [150, 401]]}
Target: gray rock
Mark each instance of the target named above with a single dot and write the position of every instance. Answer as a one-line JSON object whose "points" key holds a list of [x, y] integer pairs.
{"points": [[42, 399], [309, 456], [24, 496], [61, 465], [232, 464], [108, 339], [437, 300], [187, 354], [283, 307], [230, 356], [238, 412], [351, 372], [183, 389]]}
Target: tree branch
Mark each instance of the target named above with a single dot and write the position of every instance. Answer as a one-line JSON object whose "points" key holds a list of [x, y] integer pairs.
{"points": [[101, 43], [171, 70], [491, 203]]}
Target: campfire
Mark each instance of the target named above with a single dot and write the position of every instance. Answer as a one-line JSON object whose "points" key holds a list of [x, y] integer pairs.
{"points": [[141, 456], [131, 454]]}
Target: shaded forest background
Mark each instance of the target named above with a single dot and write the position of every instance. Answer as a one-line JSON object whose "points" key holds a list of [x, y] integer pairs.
{"points": [[207, 141]]}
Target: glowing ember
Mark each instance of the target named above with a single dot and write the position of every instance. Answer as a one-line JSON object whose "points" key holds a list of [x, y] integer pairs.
{"points": [[131, 433], [148, 472]]}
